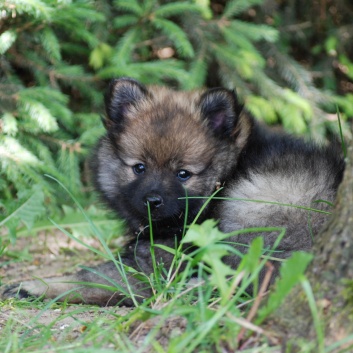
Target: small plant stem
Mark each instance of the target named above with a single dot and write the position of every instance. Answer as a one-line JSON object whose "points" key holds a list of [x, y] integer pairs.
{"points": [[251, 200], [263, 288], [153, 256]]}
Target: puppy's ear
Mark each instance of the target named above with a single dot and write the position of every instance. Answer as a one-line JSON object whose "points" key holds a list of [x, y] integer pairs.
{"points": [[220, 108], [123, 93]]}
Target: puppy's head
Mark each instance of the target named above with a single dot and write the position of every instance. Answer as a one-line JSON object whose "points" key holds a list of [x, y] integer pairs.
{"points": [[162, 145]]}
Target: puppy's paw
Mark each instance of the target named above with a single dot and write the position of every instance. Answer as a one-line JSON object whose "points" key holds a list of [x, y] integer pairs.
{"points": [[24, 290], [15, 290]]}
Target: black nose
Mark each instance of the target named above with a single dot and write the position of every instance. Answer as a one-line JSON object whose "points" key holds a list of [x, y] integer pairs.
{"points": [[154, 200]]}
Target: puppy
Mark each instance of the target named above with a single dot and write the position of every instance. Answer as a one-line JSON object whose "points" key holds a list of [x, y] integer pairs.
{"points": [[161, 146]]}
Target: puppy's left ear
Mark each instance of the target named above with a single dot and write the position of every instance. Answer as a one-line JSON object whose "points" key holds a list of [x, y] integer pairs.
{"points": [[221, 110], [123, 94]]}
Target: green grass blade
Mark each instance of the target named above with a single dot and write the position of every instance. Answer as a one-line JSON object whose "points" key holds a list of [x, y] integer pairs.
{"points": [[315, 314], [344, 147]]}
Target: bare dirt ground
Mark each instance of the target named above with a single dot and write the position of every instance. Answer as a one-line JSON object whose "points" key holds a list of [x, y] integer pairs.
{"points": [[47, 256], [55, 254]]}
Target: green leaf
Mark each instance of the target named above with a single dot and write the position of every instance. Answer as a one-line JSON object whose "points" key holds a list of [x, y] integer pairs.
{"points": [[29, 209], [291, 273], [347, 64], [206, 236], [203, 234], [331, 45], [251, 260], [345, 103]]}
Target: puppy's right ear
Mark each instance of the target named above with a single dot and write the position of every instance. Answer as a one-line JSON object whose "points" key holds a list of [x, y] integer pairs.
{"points": [[123, 93]]}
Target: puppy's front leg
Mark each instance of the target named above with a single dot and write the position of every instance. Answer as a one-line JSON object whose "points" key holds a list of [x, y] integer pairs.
{"points": [[90, 286]]}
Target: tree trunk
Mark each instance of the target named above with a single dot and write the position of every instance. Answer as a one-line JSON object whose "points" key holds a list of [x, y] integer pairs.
{"points": [[331, 277]]}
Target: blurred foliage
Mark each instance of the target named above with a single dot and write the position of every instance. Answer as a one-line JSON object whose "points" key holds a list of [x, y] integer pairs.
{"points": [[290, 62]]}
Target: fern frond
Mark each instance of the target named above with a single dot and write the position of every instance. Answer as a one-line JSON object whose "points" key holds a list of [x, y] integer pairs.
{"points": [[41, 149], [236, 40], [176, 35], [93, 126], [71, 17], [292, 118], [267, 87], [39, 114], [117, 71], [254, 32], [51, 44], [70, 14], [9, 124], [6, 40], [303, 106], [11, 151], [176, 8], [297, 77], [124, 21], [236, 7], [70, 72], [197, 74], [149, 5], [122, 52], [36, 8], [242, 61], [129, 6], [261, 108], [242, 46], [100, 55], [44, 94], [157, 71], [52, 100], [68, 164]]}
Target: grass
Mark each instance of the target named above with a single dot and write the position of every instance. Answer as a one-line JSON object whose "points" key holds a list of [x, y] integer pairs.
{"points": [[213, 314]]}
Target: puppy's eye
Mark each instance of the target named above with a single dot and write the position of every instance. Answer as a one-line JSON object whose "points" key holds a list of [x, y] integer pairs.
{"points": [[183, 175], [139, 168]]}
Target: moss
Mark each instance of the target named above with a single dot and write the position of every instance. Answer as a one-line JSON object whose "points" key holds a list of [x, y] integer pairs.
{"points": [[347, 294]]}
